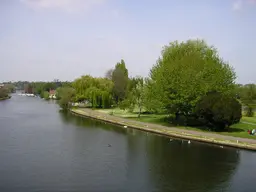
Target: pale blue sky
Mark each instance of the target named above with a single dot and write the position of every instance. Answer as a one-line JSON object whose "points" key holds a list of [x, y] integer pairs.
{"points": [[64, 39]]}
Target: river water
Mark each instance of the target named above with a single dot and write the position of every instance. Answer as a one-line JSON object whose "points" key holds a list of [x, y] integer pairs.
{"points": [[43, 150]]}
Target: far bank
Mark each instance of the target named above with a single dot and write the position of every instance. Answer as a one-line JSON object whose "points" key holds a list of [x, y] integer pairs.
{"points": [[214, 138], [5, 98]]}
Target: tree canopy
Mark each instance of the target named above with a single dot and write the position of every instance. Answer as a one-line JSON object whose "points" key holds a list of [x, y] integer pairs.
{"points": [[120, 80], [66, 95], [98, 91], [185, 72]]}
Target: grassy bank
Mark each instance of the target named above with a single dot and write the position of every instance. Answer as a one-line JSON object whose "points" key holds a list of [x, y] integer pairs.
{"points": [[237, 130], [249, 120], [4, 98]]}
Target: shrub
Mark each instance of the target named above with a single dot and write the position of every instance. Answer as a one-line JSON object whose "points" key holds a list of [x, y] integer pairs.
{"points": [[219, 110], [3, 92]]}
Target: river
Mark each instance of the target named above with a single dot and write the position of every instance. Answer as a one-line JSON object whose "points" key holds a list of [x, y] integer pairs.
{"points": [[44, 150]]}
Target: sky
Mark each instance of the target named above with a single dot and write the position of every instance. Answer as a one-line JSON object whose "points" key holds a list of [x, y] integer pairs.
{"points": [[42, 40]]}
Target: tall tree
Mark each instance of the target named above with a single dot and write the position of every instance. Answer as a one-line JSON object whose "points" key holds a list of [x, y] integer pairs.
{"points": [[120, 80], [185, 72]]}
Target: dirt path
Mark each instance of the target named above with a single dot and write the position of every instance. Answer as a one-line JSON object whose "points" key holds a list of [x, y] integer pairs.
{"points": [[248, 123], [171, 131]]}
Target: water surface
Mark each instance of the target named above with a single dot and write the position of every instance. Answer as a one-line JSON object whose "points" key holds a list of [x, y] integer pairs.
{"points": [[44, 150]]}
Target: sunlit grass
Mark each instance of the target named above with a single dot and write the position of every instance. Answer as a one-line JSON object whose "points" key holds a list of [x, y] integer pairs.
{"points": [[249, 119]]}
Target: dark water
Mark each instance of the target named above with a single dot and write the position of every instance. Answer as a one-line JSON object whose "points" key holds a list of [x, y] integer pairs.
{"points": [[44, 150]]}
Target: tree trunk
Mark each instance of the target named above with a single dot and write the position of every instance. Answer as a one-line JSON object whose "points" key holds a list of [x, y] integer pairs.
{"points": [[139, 112], [177, 115]]}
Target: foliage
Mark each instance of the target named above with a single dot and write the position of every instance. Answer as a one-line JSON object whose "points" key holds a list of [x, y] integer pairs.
{"points": [[219, 110], [10, 87], [138, 95], [120, 80], [39, 88], [125, 104], [132, 82], [46, 95], [247, 95], [66, 95], [151, 101], [4, 92], [185, 72], [109, 74], [97, 91]]}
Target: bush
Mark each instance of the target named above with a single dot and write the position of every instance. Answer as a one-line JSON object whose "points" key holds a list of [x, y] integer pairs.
{"points": [[219, 110], [3, 92]]}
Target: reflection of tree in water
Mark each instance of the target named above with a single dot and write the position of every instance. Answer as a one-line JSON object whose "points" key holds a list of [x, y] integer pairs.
{"points": [[177, 166], [89, 123]]}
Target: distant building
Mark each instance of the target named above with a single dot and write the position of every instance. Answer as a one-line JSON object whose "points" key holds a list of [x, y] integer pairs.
{"points": [[1, 86], [52, 94]]}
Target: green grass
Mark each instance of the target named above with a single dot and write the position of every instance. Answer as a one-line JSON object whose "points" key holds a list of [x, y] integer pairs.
{"points": [[249, 119], [237, 130], [240, 130]]}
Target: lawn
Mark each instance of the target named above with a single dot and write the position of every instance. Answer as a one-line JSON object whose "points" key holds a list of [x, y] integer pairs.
{"points": [[249, 119], [237, 130]]}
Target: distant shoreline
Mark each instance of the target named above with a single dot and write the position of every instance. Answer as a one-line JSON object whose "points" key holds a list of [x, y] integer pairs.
{"points": [[5, 98], [237, 142]]}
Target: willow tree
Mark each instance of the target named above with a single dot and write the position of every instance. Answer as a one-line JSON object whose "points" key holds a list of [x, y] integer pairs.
{"points": [[185, 72], [98, 91]]}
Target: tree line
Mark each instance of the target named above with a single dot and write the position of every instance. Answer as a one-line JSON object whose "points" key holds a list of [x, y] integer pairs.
{"points": [[6, 89], [188, 81]]}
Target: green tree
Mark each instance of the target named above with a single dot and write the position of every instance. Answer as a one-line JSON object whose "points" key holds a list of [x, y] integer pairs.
{"points": [[4, 92], [66, 95], [185, 72], [10, 87], [248, 97], [219, 110], [137, 96], [49, 85], [98, 91], [46, 95], [120, 80], [109, 74]]}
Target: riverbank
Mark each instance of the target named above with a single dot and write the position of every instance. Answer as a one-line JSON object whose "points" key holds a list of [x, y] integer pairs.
{"points": [[5, 98], [207, 137]]}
